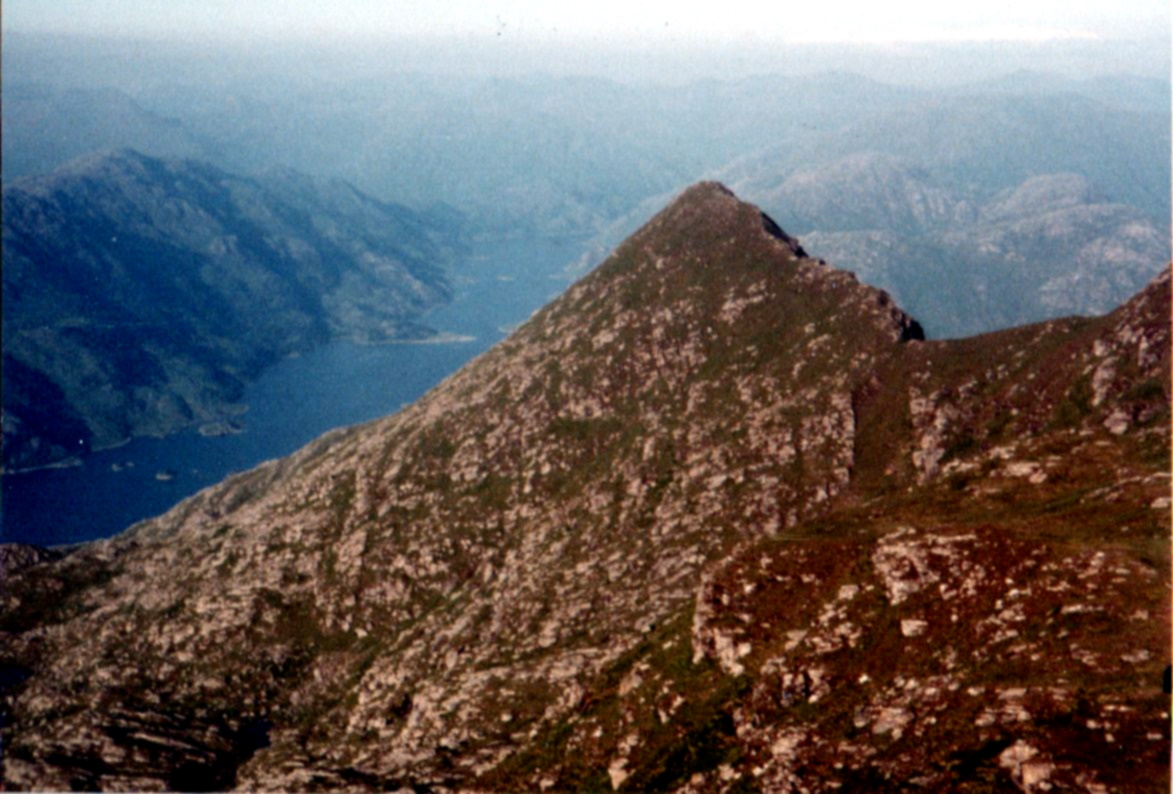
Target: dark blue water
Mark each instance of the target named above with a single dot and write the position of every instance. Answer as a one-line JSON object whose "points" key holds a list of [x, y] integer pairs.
{"points": [[499, 286]]}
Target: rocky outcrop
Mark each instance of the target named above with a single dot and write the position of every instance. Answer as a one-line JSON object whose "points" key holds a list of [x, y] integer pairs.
{"points": [[15, 557], [672, 534]]}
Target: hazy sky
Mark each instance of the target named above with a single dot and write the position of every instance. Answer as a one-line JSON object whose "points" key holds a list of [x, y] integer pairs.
{"points": [[715, 21]]}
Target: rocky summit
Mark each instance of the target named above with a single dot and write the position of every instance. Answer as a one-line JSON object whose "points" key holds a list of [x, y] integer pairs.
{"points": [[717, 519]]}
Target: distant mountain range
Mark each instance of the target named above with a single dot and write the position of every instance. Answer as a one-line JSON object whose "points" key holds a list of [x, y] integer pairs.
{"points": [[140, 294], [965, 259], [905, 186], [564, 155], [45, 126], [716, 519]]}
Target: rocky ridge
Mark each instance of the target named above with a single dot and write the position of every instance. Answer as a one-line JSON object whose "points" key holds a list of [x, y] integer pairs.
{"points": [[714, 520]]}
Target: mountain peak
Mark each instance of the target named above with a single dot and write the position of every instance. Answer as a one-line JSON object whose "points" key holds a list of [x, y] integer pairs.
{"points": [[711, 210], [710, 249]]}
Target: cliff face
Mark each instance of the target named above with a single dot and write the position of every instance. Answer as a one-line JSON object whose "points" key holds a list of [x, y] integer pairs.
{"points": [[141, 294], [713, 520]]}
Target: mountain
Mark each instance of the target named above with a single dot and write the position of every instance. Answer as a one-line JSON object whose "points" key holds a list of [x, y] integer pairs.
{"points": [[521, 155], [991, 142], [1122, 91], [862, 191], [552, 155], [141, 294], [717, 519], [45, 126], [965, 260], [962, 258], [566, 155]]}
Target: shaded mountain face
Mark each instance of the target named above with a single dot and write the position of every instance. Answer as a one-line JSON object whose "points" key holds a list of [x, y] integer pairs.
{"points": [[140, 294], [714, 520]]}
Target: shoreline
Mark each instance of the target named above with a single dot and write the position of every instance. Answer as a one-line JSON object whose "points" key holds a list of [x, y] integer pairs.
{"points": [[441, 338], [66, 463], [228, 425]]}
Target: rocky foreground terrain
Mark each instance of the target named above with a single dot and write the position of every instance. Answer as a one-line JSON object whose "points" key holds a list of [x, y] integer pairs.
{"points": [[717, 519], [140, 295]]}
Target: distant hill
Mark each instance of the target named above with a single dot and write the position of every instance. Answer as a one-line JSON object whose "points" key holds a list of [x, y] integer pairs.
{"points": [[991, 141], [141, 294], [1119, 91], [45, 126], [716, 519]]}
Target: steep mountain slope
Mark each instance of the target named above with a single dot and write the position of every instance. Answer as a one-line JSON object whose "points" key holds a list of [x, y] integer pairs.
{"points": [[1000, 624], [139, 294], [607, 553]]}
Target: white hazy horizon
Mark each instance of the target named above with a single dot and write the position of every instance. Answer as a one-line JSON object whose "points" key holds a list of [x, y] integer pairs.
{"points": [[652, 21], [922, 42]]}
